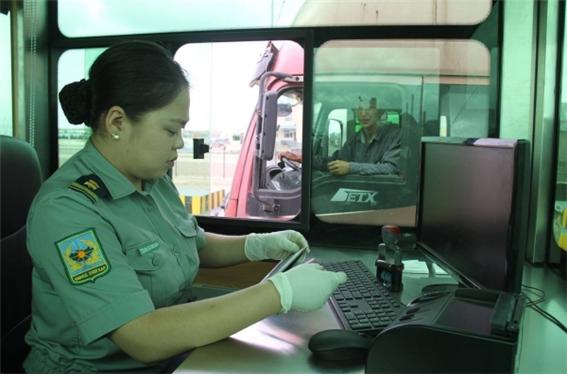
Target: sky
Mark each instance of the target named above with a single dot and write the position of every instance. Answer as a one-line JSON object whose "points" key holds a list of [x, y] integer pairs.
{"points": [[219, 74]]}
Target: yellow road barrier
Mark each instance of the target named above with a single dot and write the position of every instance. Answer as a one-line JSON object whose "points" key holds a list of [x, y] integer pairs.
{"points": [[197, 205]]}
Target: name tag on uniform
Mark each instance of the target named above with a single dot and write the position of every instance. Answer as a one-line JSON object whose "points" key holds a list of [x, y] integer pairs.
{"points": [[148, 247]]}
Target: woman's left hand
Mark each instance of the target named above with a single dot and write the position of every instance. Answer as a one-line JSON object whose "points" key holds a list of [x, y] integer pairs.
{"points": [[274, 245]]}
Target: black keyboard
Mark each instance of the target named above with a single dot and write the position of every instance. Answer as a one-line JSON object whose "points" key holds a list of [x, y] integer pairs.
{"points": [[361, 304]]}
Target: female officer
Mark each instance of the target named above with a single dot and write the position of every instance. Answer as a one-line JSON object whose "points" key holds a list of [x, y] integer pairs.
{"points": [[114, 250]]}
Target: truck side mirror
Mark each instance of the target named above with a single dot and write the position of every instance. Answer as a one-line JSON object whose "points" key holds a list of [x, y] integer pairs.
{"points": [[336, 126], [335, 129], [199, 148], [266, 131], [284, 110]]}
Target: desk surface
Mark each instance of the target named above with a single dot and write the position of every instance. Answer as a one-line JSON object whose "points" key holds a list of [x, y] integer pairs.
{"points": [[278, 344]]}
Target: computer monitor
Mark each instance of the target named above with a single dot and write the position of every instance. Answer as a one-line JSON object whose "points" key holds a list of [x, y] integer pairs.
{"points": [[470, 209]]}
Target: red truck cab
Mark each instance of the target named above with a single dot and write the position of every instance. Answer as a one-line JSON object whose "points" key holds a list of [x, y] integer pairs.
{"points": [[261, 187]]}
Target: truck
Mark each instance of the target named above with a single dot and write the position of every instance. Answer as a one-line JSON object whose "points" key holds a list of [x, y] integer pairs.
{"points": [[418, 84]]}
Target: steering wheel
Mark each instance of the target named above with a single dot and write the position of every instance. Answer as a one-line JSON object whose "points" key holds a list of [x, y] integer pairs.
{"points": [[290, 163]]}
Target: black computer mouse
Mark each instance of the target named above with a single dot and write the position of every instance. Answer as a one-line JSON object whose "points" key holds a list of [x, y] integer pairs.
{"points": [[339, 345]]}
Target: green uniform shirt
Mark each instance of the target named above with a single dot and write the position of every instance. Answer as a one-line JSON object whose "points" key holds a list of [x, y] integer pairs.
{"points": [[104, 254]]}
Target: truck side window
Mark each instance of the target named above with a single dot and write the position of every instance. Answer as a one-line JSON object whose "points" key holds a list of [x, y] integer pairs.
{"points": [[248, 114]]}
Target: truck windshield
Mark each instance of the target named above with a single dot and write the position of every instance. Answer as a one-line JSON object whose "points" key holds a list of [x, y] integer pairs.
{"points": [[375, 100]]}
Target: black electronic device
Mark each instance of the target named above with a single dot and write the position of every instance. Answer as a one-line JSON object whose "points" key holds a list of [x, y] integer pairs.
{"points": [[389, 274], [339, 345], [361, 304], [286, 264], [460, 331], [470, 209]]}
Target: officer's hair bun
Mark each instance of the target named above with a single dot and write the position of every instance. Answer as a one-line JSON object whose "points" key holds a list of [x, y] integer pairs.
{"points": [[75, 101]]}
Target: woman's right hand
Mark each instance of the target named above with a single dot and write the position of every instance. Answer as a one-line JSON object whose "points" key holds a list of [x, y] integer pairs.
{"points": [[306, 287]]}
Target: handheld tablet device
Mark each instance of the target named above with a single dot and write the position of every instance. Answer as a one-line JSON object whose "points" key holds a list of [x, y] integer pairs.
{"points": [[286, 264]]}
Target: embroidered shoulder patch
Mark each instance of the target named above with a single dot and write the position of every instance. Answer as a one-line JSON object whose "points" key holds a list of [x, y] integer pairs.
{"points": [[83, 257]]}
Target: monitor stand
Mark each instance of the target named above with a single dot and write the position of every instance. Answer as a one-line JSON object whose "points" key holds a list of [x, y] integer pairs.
{"points": [[439, 288]]}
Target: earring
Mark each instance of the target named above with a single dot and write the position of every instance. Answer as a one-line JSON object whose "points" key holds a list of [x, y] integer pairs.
{"points": [[115, 136]]}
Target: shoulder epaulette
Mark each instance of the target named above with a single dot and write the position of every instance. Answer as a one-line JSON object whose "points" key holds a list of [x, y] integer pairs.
{"points": [[91, 186]]}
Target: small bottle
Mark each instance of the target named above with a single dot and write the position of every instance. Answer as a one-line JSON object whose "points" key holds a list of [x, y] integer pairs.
{"points": [[389, 266], [382, 251], [391, 236]]}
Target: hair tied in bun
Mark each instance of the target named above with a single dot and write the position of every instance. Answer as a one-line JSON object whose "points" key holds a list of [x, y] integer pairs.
{"points": [[75, 101]]}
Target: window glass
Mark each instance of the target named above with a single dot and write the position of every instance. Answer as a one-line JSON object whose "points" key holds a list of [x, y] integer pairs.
{"points": [[232, 178], [79, 18], [73, 66], [375, 100], [560, 206], [6, 69], [249, 117]]}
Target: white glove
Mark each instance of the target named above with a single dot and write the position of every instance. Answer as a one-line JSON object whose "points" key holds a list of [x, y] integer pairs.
{"points": [[306, 287], [274, 245]]}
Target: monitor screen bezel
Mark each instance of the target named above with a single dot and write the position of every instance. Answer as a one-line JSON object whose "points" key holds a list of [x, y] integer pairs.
{"points": [[515, 242]]}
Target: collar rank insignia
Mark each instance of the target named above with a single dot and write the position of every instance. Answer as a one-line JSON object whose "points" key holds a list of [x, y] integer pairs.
{"points": [[91, 186], [83, 257]]}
